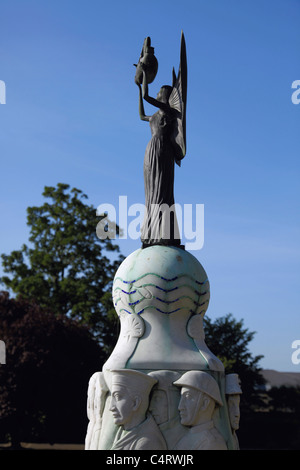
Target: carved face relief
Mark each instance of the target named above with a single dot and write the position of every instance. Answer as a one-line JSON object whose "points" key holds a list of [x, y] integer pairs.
{"points": [[234, 411], [189, 406], [159, 406], [122, 406]]}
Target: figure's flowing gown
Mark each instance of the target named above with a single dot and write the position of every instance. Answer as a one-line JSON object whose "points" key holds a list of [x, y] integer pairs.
{"points": [[160, 223]]}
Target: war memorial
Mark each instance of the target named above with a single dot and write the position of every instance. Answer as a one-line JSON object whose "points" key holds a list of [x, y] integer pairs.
{"points": [[162, 388]]}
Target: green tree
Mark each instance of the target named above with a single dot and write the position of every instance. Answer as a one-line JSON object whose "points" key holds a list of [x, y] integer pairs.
{"points": [[285, 398], [44, 383], [66, 267], [229, 340]]}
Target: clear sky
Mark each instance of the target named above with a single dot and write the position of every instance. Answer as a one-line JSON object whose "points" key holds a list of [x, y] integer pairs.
{"points": [[71, 116]]}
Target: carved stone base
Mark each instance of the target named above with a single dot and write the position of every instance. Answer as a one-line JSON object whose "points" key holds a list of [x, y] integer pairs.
{"points": [[161, 388]]}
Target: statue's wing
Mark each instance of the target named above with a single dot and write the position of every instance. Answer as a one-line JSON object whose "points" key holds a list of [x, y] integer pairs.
{"points": [[177, 101]]}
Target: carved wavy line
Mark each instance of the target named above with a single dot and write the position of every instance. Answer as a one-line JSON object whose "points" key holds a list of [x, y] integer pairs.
{"points": [[130, 313], [136, 302], [200, 305], [124, 291], [161, 277], [129, 303], [168, 302], [202, 311], [168, 313], [175, 300], [154, 308], [161, 288], [167, 290], [202, 293]]}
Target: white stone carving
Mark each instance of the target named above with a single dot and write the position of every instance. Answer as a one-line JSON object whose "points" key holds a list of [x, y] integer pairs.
{"points": [[162, 388], [165, 286], [132, 328], [233, 392], [196, 331], [200, 395], [97, 392], [130, 391], [164, 406]]}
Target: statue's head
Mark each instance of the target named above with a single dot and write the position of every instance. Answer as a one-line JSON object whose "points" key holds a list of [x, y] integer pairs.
{"points": [[233, 392], [130, 397], [164, 93], [165, 396], [200, 395]]}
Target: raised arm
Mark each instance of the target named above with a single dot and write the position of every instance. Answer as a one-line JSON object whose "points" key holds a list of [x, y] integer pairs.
{"points": [[141, 106]]}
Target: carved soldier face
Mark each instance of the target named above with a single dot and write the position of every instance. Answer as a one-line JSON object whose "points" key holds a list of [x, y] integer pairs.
{"points": [[234, 411], [159, 406], [123, 406], [189, 406]]}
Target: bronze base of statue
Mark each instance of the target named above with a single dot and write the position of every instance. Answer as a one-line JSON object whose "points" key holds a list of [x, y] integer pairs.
{"points": [[164, 243]]}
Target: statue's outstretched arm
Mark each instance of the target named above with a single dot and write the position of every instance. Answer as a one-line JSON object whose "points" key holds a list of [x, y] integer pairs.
{"points": [[141, 106]]}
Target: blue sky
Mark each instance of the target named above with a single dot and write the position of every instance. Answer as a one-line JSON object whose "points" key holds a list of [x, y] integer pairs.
{"points": [[71, 116]]}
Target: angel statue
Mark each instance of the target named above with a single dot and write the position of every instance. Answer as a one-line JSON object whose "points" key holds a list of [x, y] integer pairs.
{"points": [[166, 147]]}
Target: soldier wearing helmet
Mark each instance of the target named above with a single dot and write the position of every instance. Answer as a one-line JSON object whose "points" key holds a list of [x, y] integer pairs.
{"points": [[200, 395]]}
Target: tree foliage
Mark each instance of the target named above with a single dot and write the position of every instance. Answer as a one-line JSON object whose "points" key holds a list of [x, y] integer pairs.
{"points": [[49, 360], [285, 398], [66, 267], [229, 340]]}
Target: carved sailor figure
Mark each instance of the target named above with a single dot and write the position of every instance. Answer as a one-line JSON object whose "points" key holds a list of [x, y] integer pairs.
{"points": [[129, 403]]}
